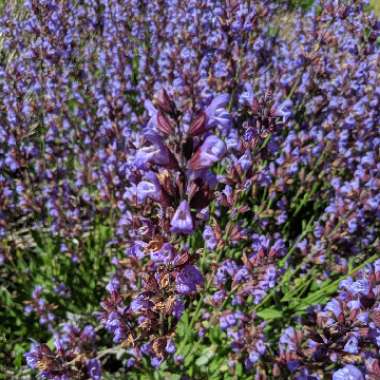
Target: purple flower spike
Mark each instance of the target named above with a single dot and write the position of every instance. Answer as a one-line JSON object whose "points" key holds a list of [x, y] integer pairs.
{"points": [[188, 279], [349, 372], [182, 221], [211, 151]]}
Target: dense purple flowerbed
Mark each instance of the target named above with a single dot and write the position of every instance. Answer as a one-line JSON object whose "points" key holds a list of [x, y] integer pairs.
{"points": [[230, 149]]}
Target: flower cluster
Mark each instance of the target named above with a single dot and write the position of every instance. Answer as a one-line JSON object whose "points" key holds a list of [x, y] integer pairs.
{"points": [[40, 307], [71, 358], [171, 191], [247, 338], [345, 333], [249, 281]]}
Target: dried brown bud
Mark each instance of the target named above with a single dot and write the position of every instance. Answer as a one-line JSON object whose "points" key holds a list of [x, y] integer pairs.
{"points": [[166, 182], [158, 347], [151, 284], [218, 231], [155, 244], [130, 341], [169, 305], [165, 281], [247, 262]]}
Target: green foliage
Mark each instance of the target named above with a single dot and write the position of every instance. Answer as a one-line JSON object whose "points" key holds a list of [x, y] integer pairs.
{"points": [[303, 4], [376, 7], [42, 263]]}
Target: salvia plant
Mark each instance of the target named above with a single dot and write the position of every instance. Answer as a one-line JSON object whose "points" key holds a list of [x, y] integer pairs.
{"points": [[189, 190]]}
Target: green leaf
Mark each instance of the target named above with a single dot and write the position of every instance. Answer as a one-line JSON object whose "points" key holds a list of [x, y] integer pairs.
{"points": [[269, 313], [216, 366], [205, 358], [18, 351], [239, 370]]}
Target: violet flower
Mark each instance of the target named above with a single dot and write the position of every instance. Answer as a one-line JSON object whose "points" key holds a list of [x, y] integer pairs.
{"points": [[182, 221], [348, 372], [210, 152], [188, 279]]}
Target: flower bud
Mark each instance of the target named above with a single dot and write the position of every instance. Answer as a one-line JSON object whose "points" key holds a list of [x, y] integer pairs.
{"points": [[198, 126], [164, 103], [164, 124]]}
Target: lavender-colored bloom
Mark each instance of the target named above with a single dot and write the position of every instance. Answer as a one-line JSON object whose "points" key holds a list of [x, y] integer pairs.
{"points": [[113, 286], [218, 297], [170, 347], [156, 362], [209, 238], [157, 152], [288, 339], [188, 279], [182, 221], [352, 345], [140, 304], [360, 287], [88, 334], [227, 321], [219, 102], [254, 356], [178, 309], [245, 161], [149, 187], [335, 307], [211, 151], [164, 255], [94, 369], [37, 291], [136, 249], [247, 96], [348, 372], [225, 270], [152, 111], [131, 362], [33, 355], [217, 114]]}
